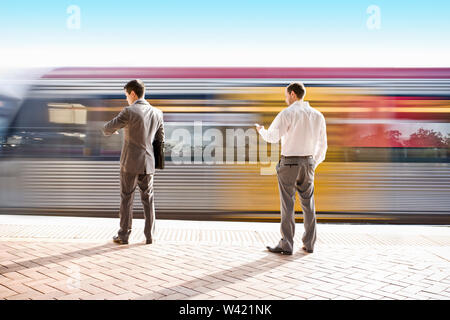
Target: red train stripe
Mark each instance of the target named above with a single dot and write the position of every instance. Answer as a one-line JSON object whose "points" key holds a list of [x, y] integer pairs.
{"points": [[250, 73]]}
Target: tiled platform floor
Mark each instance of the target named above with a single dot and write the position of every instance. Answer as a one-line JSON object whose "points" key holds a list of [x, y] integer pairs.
{"points": [[74, 258]]}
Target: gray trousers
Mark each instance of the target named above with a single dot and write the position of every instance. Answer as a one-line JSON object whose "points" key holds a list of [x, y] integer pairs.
{"points": [[296, 174], [128, 183]]}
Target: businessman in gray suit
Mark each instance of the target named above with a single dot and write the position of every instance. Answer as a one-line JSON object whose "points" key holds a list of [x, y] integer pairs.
{"points": [[142, 124]]}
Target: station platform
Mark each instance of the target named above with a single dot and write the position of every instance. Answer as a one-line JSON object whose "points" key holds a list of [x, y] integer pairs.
{"points": [[65, 258]]}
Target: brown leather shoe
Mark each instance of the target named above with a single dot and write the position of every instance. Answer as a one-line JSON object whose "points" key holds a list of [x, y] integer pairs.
{"points": [[279, 250], [119, 240]]}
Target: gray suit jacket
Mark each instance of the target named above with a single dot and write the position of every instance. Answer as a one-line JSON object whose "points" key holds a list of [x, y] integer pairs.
{"points": [[143, 124]]}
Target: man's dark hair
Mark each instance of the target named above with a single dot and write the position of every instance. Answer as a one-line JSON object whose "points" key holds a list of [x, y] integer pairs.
{"points": [[298, 88], [137, 86]]}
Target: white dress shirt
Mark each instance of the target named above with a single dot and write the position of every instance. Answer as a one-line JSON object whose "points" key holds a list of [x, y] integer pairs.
{"points": [[302, 130]]}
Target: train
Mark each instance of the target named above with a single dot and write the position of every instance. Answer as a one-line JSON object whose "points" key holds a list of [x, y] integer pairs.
{"points": [[387, 161]]}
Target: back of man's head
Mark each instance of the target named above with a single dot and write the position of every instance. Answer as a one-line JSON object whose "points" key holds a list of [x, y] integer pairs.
{"points": [[298, 88], [137, 86]]}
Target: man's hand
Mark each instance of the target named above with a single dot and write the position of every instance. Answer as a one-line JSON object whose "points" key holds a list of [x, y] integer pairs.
{"points": [[258, 127], [108, 134]]}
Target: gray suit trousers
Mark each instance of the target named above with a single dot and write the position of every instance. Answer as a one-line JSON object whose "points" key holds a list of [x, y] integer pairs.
{"points": [[128, 183], [296, 174]]}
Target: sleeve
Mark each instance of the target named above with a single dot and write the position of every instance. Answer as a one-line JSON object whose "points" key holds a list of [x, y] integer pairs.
{"points": [[276, 130], [159, 136], [322, 145], [120, 121]]}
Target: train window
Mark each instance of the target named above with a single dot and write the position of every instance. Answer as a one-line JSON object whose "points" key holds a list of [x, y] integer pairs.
{"points": [[67, 113], [72, 128], [43, 128], [399, 142]]}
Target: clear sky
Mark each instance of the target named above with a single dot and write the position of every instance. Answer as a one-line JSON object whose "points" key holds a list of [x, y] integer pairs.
{"points": [[228, 33]]}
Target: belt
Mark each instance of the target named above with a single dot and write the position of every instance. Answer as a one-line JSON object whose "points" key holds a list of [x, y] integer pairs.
{"points": [[295, 157]]}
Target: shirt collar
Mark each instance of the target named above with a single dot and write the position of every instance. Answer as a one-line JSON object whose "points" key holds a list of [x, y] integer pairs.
{"points": [[140, 100], [300, 103]]}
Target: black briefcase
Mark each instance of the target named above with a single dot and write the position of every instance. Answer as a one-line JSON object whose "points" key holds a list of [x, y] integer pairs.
{"points": [[158, 151]]}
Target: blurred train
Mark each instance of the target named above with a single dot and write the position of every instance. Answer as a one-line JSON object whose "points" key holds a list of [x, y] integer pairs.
{"points": [[388, 142]]}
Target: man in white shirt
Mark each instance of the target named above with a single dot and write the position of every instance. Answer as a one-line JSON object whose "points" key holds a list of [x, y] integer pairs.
{"points": [[303, 135]]}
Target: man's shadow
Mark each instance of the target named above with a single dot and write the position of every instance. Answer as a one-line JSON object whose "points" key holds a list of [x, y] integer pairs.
{"points": [[227, 277], [42, 261]]}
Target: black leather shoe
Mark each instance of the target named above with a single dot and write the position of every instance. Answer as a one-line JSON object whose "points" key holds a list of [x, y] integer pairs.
{"points": [[309, 251], [119, 240], [279, 250], [148, 241]]}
